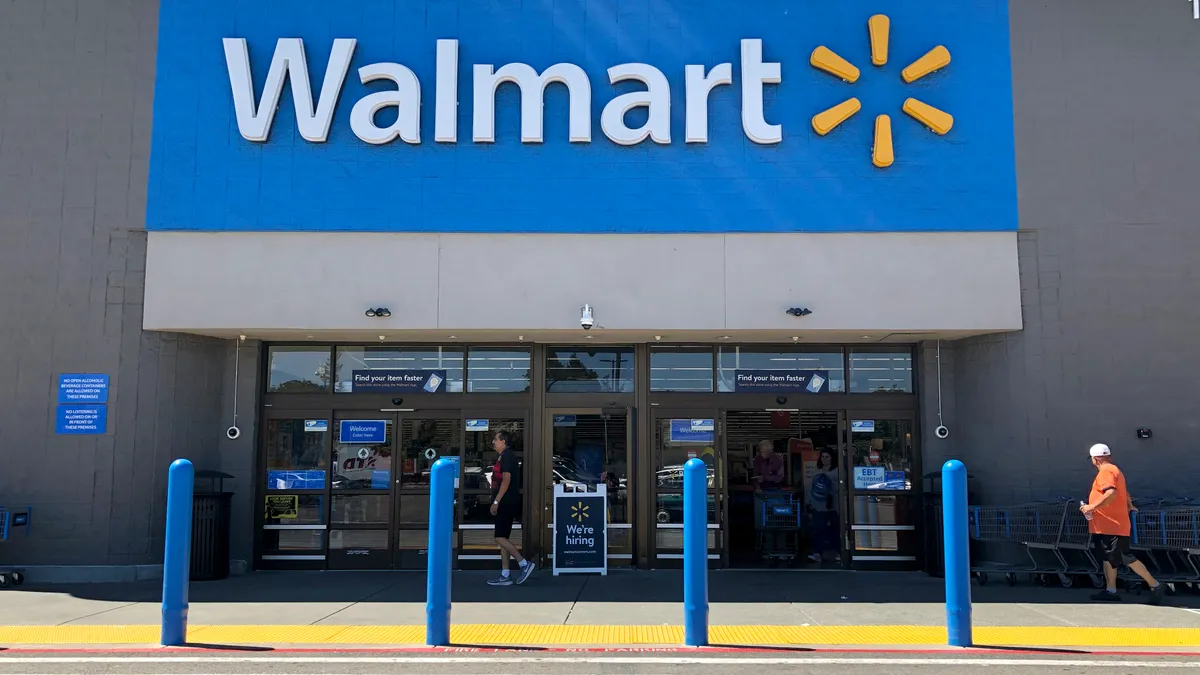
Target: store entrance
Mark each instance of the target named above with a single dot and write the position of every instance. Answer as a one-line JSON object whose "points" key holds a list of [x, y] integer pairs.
{"points": [[380, 484], [786, 489]]}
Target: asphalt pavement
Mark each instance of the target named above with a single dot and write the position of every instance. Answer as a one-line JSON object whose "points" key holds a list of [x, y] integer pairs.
{"points": [[674, 663]]}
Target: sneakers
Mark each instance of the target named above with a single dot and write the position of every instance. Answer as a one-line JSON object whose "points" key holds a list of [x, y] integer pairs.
{"points": [[1103, 595], [501, 581], [1156, 595], [524, 572]]}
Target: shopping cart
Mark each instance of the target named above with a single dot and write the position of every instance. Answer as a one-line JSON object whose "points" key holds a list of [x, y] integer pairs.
{"points": [[13, 521], [777, 524], [1051, 534], [1166, 538]]}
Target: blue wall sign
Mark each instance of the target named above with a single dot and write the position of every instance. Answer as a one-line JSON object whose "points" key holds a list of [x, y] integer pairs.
{"points": [[878, 478], [362, 431], [564, 420], [81, 419], [782, 381], [862, 426], [315, 426], [395, 381], [477, 425], [693, 431], [231, 153], [82, 388]]}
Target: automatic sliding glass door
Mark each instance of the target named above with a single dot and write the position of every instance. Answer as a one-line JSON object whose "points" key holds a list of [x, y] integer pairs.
{"points": [[680, 436], [883, 504], [589, 447]]}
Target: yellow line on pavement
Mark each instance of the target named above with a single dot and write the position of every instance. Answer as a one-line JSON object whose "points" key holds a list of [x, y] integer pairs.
{"points": [[564, 636]]}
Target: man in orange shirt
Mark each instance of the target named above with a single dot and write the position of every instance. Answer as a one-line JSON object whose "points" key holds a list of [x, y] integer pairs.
{"points": [[1107, 510]]}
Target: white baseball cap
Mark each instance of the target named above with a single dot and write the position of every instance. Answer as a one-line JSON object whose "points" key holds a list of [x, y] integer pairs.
{"points": [[1099, 450]]}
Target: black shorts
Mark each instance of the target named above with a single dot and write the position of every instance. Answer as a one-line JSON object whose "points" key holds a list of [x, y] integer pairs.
{"points": [[506, 515], [1112, 548]]}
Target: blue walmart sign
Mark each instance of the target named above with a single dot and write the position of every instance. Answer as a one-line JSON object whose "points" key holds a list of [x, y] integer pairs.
{"points": [[583, 116]]}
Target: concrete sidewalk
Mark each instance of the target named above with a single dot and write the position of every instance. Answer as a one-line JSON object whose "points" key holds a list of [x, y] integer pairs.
{"points": [[625, 607]]}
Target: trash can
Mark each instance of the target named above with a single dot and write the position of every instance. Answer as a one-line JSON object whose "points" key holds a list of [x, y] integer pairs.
{"points": [[210, 527], [935, 541]]}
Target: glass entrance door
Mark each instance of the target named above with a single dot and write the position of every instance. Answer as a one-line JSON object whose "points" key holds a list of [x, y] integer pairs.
{"points": [[476, 543], [587, 447], [379, 486], [881, 454], [678, 437], [361, 477]]}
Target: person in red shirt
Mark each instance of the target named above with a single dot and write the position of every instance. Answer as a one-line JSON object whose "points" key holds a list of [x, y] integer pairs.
{"points": [[1107, 510]]}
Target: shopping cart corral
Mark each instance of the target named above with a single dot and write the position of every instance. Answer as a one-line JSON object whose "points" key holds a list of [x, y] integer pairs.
{"points": [[1166, 537], [13, 521], [1055, 538], [777, 520]]}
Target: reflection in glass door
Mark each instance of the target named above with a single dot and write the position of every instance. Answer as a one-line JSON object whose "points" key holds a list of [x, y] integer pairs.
{"points": [[882, 453], [589, 447], [679, 437], [476, 524]]}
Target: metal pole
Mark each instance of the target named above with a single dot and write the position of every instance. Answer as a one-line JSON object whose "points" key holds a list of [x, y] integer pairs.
{"points": [[177, 554], [958, 561], [441, 527], [695, 553]]}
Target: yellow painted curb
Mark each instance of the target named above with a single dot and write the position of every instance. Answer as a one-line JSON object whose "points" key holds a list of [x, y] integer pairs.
{"points": [[559, 635]]}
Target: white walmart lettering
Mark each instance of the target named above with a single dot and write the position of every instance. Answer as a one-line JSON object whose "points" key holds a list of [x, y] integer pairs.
{"points": [[255, 115]]}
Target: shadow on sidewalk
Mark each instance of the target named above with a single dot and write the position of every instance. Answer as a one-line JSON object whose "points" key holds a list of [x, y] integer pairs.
{"points": [[632, 586]]}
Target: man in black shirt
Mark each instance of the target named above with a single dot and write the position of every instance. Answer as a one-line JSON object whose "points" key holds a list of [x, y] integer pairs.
{"points": [[506, 507]]}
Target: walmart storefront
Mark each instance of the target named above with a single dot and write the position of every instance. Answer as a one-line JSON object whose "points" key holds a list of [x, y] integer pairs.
{"points": [[629, 233]]}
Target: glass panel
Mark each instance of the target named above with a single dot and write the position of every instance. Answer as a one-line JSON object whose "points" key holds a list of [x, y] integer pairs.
{"points": [[412, 539], [498, 370], [367, 463], [677, 441], [481, 541], [342, 539], [828, 365], [293, 541], [423, 442], [296, 454], [285, 509], [298, 370], [419, 364], [589, 449], [881, 371], [571, 370], [479, 456], [361, 509], [681, 369], [882, 510], [882, 451], [670, 508], [414, 509], [670, 540]]}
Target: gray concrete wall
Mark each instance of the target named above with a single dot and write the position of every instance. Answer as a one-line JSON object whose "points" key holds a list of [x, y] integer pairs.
{"points": [[75, 120], [1107, 134]]}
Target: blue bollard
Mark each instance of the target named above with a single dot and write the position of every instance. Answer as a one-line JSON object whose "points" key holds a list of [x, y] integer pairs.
{"points": [[177, 556], [695, 553], [958, 559], [441, 527]]}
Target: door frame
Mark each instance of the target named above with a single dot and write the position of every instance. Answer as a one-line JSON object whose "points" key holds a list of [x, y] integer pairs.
{"points": [[546, 483], [913, 493], [649, 519]]}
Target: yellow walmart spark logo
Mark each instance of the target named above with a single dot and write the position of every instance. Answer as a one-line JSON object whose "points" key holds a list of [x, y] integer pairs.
{"points": [[580, 511], [883, 154]]}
